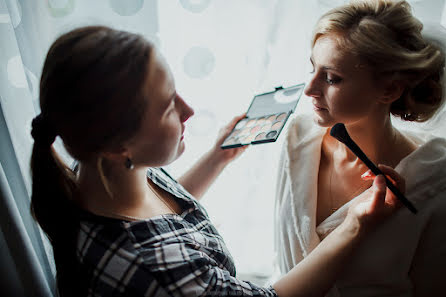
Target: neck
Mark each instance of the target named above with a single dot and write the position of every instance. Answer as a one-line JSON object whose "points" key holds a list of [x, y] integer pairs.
{"points": [[377, 138], [128, 188]]}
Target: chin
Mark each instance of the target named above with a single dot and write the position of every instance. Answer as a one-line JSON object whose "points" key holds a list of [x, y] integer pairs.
{"points": [[322, 122]]}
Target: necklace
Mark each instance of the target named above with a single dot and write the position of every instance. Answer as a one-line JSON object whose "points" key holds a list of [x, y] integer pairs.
{"points": [[133, 218]]}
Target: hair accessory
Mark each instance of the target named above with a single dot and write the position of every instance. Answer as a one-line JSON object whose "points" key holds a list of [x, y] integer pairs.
{"points": [[339, 132], [128, 163], [41, 131]]}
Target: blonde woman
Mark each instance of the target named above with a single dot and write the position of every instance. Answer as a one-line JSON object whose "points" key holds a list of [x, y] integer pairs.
{"points": [[370, 61]]}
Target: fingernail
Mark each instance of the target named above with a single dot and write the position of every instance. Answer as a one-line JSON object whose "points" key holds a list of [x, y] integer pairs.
{"points": [[380, 180], [368, 173]]}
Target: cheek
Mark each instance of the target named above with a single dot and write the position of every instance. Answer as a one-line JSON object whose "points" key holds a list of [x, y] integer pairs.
{"points": [[352, 101]]}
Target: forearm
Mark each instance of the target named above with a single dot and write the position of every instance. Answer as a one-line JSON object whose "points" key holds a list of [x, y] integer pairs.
{"points": [[200, 177], [316, 274]]}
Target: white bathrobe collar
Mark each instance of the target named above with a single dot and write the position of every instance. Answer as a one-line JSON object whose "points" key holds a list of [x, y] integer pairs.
{"points": [[304, 142]]}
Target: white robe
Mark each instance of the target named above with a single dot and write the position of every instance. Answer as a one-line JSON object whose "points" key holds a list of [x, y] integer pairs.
{"points": [[404, 256]]}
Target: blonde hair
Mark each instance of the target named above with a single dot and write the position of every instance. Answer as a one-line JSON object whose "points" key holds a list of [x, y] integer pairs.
{"points": [[387, 37]]}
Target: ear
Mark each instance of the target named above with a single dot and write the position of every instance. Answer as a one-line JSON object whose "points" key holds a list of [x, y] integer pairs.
{"points": [[116, 154], [392, 91]]}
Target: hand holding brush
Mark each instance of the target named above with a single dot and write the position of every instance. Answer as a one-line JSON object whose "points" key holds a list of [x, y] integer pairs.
{"points": [[339, 132]]}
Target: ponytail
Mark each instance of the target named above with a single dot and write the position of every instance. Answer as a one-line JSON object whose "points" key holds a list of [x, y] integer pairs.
{"points": [[53, 182], [53, 186]]}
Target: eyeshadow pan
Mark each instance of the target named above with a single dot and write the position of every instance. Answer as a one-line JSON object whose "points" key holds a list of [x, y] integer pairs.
{"points": [[236, 132], [248, 139], [241, 124], [281, 116], [261, 121], [271, 134], [271, 118], [265, 128], [260, 136], [230, 141], [276, 125], [255, 129], [250, 123], [245, 131]]}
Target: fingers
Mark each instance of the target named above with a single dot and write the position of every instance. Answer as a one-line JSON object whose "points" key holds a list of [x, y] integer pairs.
{"points": [[236, 119], [397, 179], [390, 174], [228, 128], [379, 192]]}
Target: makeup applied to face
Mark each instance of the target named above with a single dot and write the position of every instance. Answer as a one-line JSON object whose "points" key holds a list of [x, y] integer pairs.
{"points": [[340, 90]]}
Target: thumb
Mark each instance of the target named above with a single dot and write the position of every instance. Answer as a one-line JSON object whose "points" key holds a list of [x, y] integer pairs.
{"points": [[379, 192]]}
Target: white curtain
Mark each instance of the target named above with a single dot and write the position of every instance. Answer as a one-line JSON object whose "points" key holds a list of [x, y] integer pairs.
{"points": [[221, 52]]}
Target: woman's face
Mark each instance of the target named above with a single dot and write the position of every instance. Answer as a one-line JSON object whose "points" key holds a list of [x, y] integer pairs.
{"points": [[342, 88], [159, 141]]}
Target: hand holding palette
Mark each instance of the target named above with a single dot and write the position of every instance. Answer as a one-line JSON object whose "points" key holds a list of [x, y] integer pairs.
{"points": [[265, 118]]}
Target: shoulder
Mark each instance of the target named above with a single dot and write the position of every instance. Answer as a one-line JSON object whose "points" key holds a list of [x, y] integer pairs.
{"points": [[301, 132], [109, 262], [425, 170], [301, 126]]}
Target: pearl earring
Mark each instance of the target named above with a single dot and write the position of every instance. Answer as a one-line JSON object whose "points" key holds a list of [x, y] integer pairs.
{"points": [[128, 163]]}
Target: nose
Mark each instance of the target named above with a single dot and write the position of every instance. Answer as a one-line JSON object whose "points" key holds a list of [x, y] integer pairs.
{"points": [[312, 89], [186, 110]]}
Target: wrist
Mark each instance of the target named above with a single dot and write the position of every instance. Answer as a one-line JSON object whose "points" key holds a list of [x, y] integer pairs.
{"points": [[350, 229], [216, 158]]}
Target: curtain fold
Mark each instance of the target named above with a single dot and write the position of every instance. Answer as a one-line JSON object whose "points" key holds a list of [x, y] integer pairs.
{"points": [[29, 270]]}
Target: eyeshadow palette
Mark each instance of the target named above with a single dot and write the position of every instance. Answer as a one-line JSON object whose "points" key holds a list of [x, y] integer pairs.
{"points": [[265, 118]]}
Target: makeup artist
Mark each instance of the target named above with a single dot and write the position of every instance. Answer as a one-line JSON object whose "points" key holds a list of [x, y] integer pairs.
{"points": [[120, 225], [370, 61]]}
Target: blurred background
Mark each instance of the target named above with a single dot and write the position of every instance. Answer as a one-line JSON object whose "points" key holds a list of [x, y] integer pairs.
{"points": [[222, 53]]}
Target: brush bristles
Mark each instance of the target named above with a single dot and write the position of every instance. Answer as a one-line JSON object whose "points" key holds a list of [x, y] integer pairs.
{"points": [[339, 132]]}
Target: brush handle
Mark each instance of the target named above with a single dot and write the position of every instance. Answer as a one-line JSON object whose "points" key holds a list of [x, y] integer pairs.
{"points": [[360, 154]]}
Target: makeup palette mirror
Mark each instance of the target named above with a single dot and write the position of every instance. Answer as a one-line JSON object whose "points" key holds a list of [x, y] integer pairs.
{"points": [[265, 118]]}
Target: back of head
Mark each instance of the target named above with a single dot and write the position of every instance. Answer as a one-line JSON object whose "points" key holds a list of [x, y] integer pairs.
{"points": [[91, 95], [387, 37]]}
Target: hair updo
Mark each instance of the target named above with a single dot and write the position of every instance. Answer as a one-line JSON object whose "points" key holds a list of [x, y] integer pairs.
{"points": [[387, 37]]}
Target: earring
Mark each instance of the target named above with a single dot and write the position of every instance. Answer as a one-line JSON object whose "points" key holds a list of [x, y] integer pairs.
{"points": [[128, 163]]}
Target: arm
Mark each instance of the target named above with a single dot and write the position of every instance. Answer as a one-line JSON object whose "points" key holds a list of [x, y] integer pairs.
{"points": [[200, 177], [315, 275]]}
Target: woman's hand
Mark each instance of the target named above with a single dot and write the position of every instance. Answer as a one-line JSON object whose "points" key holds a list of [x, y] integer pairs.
{"points": [[378, 202], [227, 155], [199, 178]]}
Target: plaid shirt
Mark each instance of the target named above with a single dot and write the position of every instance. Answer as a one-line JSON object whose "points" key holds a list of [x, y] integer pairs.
{"points": [[166, 255]]}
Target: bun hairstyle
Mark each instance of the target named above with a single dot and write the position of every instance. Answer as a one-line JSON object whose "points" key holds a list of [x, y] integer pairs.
{"points": [[387, 37], [91, 95]]}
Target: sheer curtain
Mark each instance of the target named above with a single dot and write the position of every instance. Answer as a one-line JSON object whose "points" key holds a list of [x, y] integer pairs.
{"points": [[221, 52]]}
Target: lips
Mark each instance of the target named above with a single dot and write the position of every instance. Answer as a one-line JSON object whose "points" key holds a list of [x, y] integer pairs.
{"points": [[182, 132], [318, 107]]}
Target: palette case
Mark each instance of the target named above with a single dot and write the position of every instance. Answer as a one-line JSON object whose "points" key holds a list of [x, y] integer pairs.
{"points": [[265, 118]]}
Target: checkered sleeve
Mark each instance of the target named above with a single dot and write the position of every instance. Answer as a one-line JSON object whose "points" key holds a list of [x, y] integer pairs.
{"points": [[166, 255], [184, 268]]}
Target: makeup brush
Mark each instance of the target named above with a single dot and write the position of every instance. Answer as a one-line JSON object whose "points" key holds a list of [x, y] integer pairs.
{"points": [[339, 132]]}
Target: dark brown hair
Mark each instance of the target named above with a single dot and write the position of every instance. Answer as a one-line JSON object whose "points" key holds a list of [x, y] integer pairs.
{"points": [[386, 36], [91, 95]]}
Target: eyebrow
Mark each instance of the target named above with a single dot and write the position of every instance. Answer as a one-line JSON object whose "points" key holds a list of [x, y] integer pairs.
{"points": [[171, 98], [326, 67]]}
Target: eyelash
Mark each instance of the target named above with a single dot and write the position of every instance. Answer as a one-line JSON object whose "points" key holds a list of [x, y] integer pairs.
{"points": [[329, 81]]}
